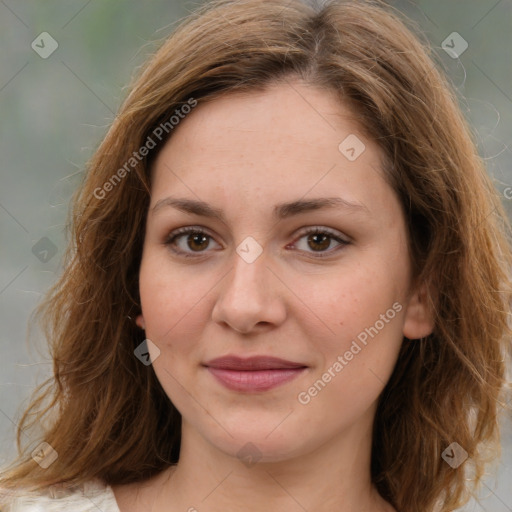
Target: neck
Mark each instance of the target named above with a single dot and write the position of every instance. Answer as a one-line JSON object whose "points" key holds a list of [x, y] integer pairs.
{"points": [[334, 476]]}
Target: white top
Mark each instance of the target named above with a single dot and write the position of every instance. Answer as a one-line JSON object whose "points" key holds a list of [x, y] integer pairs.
{"points": [[89, 497]]}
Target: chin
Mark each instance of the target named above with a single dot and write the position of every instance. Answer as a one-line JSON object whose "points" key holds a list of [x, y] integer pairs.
{"points": [[260, 443]]}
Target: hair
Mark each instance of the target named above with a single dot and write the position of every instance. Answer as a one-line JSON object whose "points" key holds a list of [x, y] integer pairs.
{"points": [[107, 415]]}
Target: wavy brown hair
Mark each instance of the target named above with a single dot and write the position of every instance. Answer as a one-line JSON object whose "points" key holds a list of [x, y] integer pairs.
{"points": [[106, 414]]}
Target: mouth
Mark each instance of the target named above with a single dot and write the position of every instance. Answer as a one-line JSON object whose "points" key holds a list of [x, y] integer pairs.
{"points": [[257, 373]]}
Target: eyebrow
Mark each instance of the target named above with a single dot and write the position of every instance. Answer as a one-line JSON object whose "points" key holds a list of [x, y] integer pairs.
{"points": [[280, 211]]}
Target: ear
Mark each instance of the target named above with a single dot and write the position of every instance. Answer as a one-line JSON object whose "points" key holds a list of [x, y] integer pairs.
{"points": [[140, 321], [419, 321]]}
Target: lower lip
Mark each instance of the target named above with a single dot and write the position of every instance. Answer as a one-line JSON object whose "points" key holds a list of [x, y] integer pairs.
{"points": [[257, 380]]}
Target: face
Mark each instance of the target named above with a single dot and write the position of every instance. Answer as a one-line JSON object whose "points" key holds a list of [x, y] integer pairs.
{"points": [[271, 232]]}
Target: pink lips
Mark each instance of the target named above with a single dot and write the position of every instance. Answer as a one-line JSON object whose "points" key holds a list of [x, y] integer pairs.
{"points": [[257, 373]]}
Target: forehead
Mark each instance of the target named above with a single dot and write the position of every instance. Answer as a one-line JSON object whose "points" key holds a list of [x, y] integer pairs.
{"points": [[289, 140]]}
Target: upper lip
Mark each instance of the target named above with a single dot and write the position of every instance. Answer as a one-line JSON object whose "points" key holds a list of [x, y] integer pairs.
{"points": [[253, 363]]}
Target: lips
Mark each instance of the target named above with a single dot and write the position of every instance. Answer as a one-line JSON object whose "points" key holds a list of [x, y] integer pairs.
{"points": [[252, 363], [257, 373]]}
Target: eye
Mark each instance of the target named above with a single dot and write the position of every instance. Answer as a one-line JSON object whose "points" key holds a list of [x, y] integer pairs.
{"points": [[190, 240], [319, 240], [186, 241]]}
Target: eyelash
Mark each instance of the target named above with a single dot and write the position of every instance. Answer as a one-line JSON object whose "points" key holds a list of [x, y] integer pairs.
{"points": [[173, 236]]}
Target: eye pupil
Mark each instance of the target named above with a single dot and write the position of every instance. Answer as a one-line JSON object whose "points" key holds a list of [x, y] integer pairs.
{"points": [[199, 238], [319, 238]]}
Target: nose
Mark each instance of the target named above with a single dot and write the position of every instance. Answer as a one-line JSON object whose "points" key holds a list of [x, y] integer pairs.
{"points": [[250, 298]]}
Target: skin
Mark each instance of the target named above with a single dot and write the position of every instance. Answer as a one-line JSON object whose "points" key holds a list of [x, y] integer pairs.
{"points": [[243, 154]]}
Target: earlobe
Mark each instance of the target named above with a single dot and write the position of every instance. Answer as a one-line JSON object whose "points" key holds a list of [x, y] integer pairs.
{"points": [[140, 322], [419, 322]]}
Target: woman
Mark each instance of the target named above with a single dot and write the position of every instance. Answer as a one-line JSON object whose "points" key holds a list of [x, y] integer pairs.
{"points": [[288, 288]]}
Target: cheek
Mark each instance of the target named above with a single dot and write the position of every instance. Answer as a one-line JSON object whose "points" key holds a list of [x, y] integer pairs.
{"points": [[172, 302], [357, 299], [356, 364], [174, 316], [366, 315]]}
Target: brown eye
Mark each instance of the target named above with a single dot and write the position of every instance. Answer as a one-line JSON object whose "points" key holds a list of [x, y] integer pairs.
{"points": [[319, 242], [197, 241], [187, 241]]}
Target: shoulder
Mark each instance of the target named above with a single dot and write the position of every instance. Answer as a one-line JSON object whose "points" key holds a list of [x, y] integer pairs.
{"points": [[89, 497]]}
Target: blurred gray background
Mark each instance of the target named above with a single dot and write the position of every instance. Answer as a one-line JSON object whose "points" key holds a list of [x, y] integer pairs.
{"points": [[54, 110]]}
